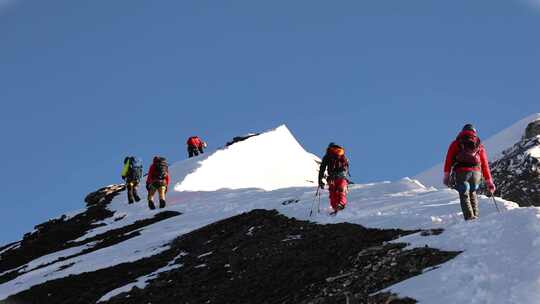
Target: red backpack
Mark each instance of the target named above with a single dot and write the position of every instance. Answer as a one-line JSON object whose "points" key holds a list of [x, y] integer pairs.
{"points": [[469, 150]]}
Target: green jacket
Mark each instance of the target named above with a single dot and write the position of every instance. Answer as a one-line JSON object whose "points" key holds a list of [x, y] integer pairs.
{"points": [[125, 169]]}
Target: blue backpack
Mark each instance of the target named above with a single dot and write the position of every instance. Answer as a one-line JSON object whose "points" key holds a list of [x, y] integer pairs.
{"points": [[135, 171]]}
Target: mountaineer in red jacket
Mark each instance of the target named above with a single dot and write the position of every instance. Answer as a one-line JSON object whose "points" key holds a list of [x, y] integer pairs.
{"points": [[195, 146], [157, 181], [466, 163]]}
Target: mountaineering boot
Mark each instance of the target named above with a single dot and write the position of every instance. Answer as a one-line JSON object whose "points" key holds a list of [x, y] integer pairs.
{"points": [[151, 205], [162, 203], [136, 196], [466, 207], [474, 205], [340, 206]]}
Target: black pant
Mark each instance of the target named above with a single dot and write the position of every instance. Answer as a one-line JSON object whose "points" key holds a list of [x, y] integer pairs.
{"points": [[194, 151]]}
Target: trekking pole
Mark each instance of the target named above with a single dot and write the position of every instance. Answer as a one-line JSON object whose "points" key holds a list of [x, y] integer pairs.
{"points": [[495, 202], [313, 202], [319, 204]]}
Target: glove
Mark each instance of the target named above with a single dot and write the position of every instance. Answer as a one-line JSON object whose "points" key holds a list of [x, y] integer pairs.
{"points": [[446, 179], [321, 184], [491, 186]]}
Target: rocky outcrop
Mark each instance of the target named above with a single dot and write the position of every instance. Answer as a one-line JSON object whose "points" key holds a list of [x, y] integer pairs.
{"points": [[240, 138], [61, 233], [533, 130], [258, 257], [517, 173], [55, 234], [101, 195]]}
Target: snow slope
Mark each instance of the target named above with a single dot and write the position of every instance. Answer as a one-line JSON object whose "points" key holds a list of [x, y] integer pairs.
{"points": [[268, 161], [499, 263], [495, 145]]}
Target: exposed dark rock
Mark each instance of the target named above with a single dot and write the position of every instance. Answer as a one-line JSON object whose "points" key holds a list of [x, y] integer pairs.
{"points": [[241, 138], [429, 232], [55, 234], [101, 195], [264, 257], [88, 287], [8, 245], [257, 257], [517, 173], [290, 201], [59, 234], [533, 129]]}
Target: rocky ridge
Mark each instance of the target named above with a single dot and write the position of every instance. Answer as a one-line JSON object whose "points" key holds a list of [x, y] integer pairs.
{"points": [[62, 233], [517, 172]]}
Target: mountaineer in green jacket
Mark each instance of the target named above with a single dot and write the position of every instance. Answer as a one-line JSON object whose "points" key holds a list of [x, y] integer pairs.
{"points": [[132, 174]]}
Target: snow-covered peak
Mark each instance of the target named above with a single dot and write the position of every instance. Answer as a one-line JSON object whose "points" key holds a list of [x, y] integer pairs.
{"points": [[495, 146], [269, 161]]}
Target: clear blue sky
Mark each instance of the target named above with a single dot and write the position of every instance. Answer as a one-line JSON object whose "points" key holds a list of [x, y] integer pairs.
{"points": [[83, 83]]}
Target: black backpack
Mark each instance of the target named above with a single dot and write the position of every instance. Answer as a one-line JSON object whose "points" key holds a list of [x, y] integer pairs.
{"points": [[161, 168], [135, 171]]}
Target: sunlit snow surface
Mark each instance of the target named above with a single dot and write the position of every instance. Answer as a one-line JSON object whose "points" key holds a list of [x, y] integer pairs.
{"points": [[499, 263], [535, 152], [269, 161]]}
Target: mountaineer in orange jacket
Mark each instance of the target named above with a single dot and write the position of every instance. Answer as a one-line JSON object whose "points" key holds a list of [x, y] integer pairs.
{"points": [[337, 165]]}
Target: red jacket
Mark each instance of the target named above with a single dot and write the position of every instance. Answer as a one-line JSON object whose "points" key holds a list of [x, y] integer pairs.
{"points": [[194, 141], [150, 178], [452, 152]]}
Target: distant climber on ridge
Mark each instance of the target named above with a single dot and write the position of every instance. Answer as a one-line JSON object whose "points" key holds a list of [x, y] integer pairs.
{"points": [[466, 163], [132, 174], [195, 145], [157, 181], [337, 166]]}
